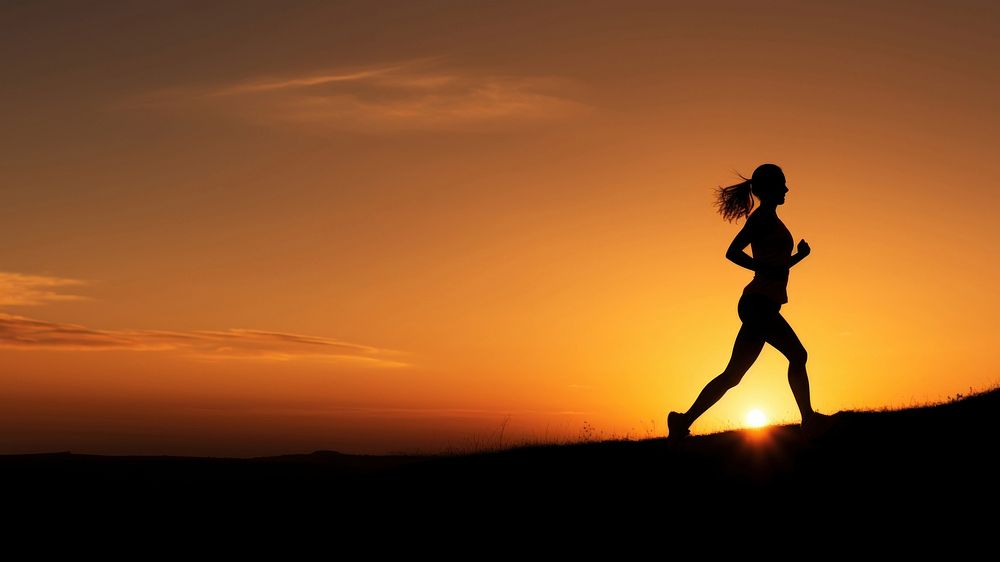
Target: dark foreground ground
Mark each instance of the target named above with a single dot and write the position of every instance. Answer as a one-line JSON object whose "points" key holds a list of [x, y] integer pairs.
{"points": [[923, 470]]}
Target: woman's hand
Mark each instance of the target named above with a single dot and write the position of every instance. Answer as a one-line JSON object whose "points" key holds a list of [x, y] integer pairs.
{"points": [[804, 251], [804, 248]]}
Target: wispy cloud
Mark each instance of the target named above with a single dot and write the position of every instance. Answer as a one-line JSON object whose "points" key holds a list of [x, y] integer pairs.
{"points": [[20, 332], [18, 289], [287, 83], [422, 94], [27, 333]]}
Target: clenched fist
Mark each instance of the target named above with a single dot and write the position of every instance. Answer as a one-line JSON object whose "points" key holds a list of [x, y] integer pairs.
{"points": [[804, 248]]}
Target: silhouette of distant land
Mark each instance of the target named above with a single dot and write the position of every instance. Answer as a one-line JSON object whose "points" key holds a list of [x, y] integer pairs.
{"points": [[920, 465]]}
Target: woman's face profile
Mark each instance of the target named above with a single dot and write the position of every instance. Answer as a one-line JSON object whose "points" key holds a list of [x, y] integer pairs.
{"points": [[773, 191]]}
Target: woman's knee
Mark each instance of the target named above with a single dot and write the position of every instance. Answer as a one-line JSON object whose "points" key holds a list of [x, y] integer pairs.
{"points": [[731, 378], [798, 356]]}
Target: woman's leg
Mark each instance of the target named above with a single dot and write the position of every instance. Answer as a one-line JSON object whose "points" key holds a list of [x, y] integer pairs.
{"points": [[749, 343], [781, 335]]}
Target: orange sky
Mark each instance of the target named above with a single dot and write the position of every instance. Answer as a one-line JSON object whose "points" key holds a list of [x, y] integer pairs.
{"points": [[267, 227]]}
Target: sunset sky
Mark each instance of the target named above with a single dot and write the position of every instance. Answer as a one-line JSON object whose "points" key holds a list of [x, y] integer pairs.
{"points": [[247, 228]]}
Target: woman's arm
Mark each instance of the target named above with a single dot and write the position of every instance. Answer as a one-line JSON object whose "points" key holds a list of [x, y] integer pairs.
{"points": [[804, 250], [735, 252]]}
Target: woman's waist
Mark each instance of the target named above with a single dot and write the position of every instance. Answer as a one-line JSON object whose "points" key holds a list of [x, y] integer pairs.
{"points": [[772, 271], [774, 291]]}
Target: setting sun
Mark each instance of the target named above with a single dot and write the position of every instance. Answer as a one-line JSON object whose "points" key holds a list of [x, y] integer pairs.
{"points": [[756, 418]]}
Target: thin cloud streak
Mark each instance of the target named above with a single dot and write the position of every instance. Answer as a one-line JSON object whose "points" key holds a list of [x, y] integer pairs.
{"points": [[18, 289], [413, 95], [19, 332], [300, 82]]}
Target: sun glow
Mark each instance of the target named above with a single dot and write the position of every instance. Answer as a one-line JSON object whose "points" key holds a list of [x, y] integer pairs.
{"points": [[756, 418]]}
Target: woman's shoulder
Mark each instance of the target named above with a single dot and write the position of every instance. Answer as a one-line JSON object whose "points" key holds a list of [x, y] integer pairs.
{"points": [[763, 223], [758, 218]]}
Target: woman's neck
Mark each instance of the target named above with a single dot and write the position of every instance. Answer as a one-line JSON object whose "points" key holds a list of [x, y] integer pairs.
{"points": [[768, 209]]}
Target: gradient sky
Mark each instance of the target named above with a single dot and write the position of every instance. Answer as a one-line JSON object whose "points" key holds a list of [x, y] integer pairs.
{"points": [[245, 228]]}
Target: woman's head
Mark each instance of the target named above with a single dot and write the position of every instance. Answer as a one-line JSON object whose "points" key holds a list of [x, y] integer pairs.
{"points": [[767, 182]]}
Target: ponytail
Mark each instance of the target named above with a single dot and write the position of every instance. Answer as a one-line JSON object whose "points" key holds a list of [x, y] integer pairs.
{"points": [[735, 201]]}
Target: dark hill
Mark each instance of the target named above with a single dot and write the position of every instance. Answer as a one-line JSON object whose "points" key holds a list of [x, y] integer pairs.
{"points": [[936, 463]]}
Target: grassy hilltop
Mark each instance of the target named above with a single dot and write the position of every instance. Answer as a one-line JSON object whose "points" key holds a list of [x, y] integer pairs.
{"points": [[930, 462]]}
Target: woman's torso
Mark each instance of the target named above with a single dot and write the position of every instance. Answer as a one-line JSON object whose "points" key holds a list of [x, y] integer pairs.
{"points": [[771, 244]]}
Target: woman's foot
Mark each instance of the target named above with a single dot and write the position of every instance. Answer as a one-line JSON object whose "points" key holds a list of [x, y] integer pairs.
{"points": [[677, 426], [816, 424]]}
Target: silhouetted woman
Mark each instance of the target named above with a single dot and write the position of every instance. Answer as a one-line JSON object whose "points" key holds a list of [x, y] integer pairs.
{"points": [[762, 298]]}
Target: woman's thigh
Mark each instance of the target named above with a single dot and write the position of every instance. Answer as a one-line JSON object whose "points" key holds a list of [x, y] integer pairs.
{"points": [[781, 335], [749, 343]]}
